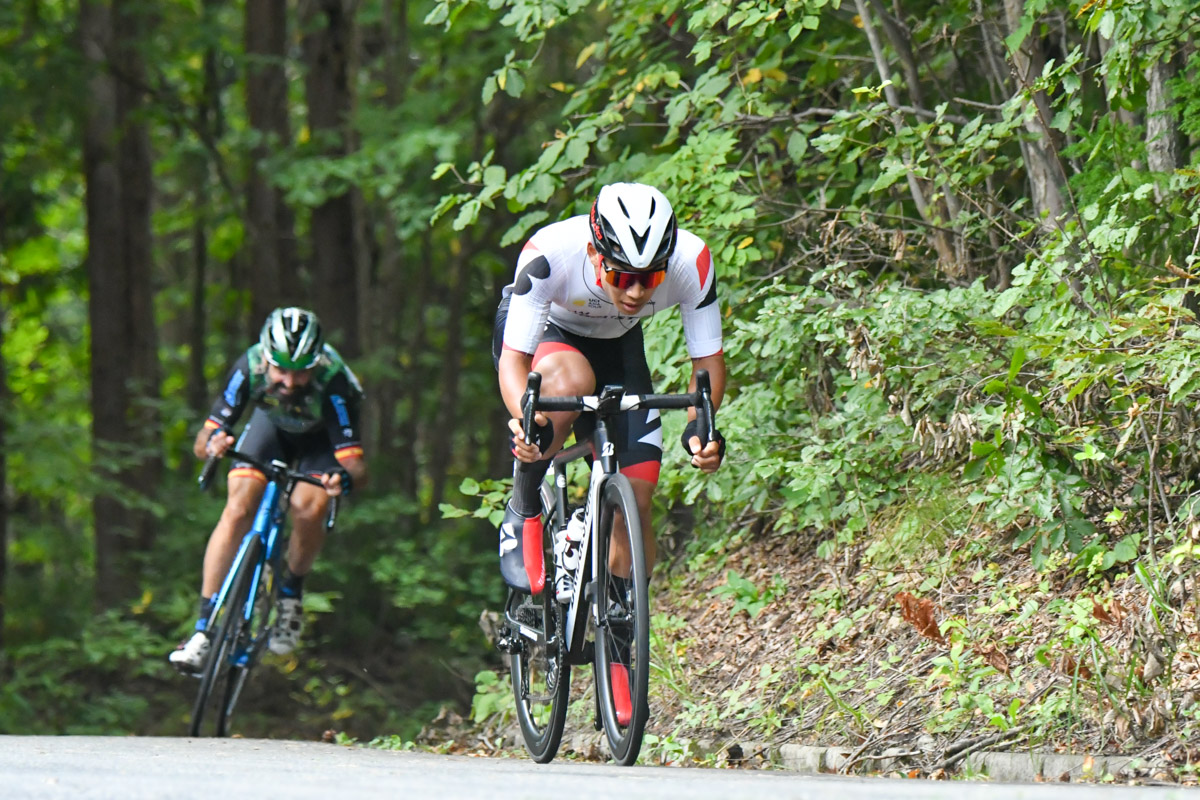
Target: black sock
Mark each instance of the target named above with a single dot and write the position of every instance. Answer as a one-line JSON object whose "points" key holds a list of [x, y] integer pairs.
{"points": [[527, 480], [206, 607], [290, 584]]}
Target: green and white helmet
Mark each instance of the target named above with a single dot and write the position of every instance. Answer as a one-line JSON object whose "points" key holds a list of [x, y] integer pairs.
{"points": [[291, 338]]}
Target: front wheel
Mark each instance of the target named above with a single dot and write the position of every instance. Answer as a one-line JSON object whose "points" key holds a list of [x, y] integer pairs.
{"points": [[623, 630], [225, 630], [250, 642]]}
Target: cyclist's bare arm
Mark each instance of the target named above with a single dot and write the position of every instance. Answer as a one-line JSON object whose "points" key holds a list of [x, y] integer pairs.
{"points": [[515, 367], [211, 441], [356, 466], [715, 364]]}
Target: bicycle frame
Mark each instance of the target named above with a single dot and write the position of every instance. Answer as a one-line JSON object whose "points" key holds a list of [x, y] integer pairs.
{"points": [[268, 521], [544, 639], [607, 402]]}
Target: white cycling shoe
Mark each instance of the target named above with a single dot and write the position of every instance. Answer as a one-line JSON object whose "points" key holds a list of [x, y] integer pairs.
{"points": [[189, 656], [289, 624]]}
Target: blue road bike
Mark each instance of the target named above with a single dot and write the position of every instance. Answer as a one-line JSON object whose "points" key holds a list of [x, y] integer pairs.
{"points": [[239, 626]]}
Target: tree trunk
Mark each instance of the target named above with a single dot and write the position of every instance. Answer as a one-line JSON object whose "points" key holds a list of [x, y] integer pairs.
{"points": [[108, 289], [4, 406], [419, 296], [137, 184], [1162, 134], [451, 360], [270, 223], [948, 254], [1046, 179], [327, 52], [124, 362], [197, 390]]}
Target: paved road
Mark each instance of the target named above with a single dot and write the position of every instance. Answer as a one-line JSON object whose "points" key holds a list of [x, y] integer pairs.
{"points": [[84, 767]]}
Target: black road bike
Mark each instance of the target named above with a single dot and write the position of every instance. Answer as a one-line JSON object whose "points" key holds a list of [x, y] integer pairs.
{"points": [[607, 621], [239, 626]]}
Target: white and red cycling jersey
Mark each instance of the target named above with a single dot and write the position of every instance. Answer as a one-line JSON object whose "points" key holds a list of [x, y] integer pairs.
{"points": [[555, 281]]}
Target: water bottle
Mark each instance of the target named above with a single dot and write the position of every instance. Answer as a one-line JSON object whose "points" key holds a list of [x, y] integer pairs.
{"points": [[566, 556]]}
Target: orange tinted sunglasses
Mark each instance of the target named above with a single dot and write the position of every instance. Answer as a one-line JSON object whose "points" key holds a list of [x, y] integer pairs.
{"points": [[626, 280]]}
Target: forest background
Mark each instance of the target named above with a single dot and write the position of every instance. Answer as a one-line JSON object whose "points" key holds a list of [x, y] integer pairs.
{"points": [[956, 242]]}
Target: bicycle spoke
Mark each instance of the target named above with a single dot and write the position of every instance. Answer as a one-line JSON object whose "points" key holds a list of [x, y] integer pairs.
{"points": [[540, 674]]}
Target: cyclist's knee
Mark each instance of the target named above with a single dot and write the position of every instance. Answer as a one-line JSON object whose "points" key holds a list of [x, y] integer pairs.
{"points": [[309, 506], [242, 502], [566, 373]]}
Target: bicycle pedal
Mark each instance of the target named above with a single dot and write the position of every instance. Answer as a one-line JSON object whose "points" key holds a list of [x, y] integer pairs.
{"points": [[506, 643]]}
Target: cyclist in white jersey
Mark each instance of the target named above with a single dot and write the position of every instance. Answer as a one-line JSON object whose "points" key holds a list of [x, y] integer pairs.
{"points": [[573, 313]]}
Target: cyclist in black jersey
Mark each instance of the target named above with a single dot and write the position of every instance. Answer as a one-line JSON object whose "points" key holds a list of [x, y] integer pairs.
{"points": [[305, 404]]}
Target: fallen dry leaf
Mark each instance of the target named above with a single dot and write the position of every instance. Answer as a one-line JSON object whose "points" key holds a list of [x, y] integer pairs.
{"points": [[993, 656], [920, 614], [1068, 666]]}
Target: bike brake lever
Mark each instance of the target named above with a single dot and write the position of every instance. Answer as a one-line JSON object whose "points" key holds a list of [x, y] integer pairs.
{"points": [[533, 386], [705, 415], [206, 474]]}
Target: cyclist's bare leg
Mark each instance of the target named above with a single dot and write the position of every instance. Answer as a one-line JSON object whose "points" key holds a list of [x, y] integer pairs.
{"points": [[619, 560], [310, 504], [240, 507], [564, 372]]}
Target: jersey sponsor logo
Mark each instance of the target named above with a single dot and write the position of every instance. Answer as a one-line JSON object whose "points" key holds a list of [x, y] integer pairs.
{"points": [[339, 405], [231, 390]]}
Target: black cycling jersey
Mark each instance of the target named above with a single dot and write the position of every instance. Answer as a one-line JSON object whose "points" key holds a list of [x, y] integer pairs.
{"points": [[329, 404]]}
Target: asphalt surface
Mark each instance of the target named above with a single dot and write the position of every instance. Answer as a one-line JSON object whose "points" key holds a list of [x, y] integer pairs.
{"points": [[113, 767]]}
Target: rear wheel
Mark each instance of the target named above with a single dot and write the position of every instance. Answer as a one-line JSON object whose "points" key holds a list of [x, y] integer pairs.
{"points": [[541, 678], [225, 628], [623, 635]]}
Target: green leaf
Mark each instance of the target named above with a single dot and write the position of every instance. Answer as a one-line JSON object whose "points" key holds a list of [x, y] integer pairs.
{"points": [[452, 512], [797, 146], [1007, 299], [1126, 550], [494, 175], [1018, 360], [1013, 41]]}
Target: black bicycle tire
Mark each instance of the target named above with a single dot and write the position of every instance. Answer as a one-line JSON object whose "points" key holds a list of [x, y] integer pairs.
{"points": [[624, 742], [226, 629], [235, 679], [542, 741]]}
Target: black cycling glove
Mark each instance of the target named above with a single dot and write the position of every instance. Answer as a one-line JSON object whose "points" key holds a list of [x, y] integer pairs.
{"points": [[347, 480], [693, 429], [543, 437]]}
